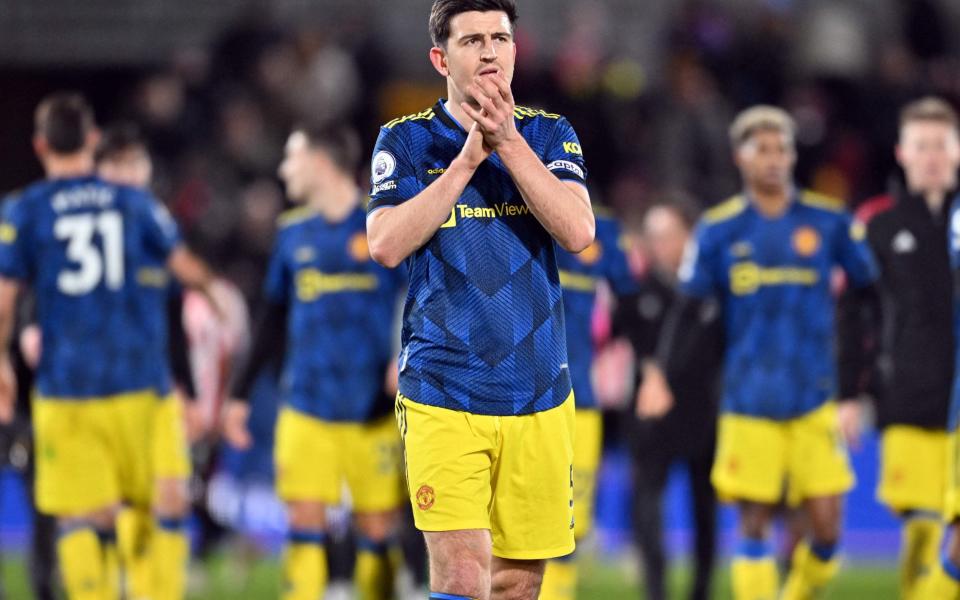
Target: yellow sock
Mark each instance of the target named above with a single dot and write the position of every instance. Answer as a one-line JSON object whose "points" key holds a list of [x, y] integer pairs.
{"points": [[133, 538], [304, 566], [111, 563], [939, 584], [82, 564], [754, 572], [169, 554], [919, 551], [809, 573], [374, 571], [559, 579]]}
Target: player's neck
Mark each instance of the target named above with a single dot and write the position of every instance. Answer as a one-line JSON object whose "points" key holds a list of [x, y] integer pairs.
{"points": [[453, 107], [337, 201], [934, 199], [770, 203], [63, 167]]}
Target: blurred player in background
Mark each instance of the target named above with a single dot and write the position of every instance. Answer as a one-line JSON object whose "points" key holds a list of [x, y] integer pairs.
{"points": [[944, 580], [604, 260], [90, 251], [768, 255], [123, 158], [475, 194], [906, 231], [684, 431], [330, 315]]}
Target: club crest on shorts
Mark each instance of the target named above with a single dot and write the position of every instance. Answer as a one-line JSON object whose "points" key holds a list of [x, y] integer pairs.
{"points": [[425, 497]]}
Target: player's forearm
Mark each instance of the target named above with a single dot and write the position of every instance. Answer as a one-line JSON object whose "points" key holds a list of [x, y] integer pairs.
{"points": [[564, 213], [8, 305], [396, 232]]}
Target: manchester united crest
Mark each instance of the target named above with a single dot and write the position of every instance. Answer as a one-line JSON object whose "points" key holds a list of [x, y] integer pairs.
{"points": [[806, 241], [358, 248], [425, 497]]}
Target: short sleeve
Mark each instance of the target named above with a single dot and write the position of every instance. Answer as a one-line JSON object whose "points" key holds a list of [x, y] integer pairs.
{"points": [[393, 179], [160, 230], [616, 266], [276, 286], [563, 155], [14, 242], [698, 271], [853, 252]]}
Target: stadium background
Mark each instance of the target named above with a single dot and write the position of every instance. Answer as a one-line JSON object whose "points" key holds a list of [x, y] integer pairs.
{"points": [[650, 86]]}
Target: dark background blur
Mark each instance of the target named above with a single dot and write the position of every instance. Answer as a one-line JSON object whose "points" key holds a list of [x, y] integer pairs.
{"points": [[649, 85]]}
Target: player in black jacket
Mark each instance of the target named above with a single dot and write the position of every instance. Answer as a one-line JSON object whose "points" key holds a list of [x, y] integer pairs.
{"points": [[907, 231]]}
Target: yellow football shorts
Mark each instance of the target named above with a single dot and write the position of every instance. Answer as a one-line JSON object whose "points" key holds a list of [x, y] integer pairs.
{"points": [[314, 458], [757, 457], [512, 475], [588, 444], [96, 452], [913, 468], [952, 478]]}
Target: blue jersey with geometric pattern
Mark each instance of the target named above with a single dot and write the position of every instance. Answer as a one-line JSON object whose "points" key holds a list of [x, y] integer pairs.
{"points": [[94, 254], [340, 317], [580, 274], [773, 278], [483, 328], [953, 233]]}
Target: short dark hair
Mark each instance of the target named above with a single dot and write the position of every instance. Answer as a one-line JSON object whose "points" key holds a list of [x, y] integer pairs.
{"points": [[680, 205], [120, 138], [64, 119], [341, 144], [444, 10], [929, 108]]}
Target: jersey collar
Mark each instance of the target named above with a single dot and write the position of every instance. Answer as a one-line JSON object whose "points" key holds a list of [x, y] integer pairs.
{"points": [[446, 118], [793, 199]]}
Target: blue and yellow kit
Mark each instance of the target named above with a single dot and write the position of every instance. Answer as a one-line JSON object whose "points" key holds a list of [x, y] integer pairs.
{"points": [[336, 425], [580, 274], [341, 308], [94, 254], [773, 278], [483, 324], [484, 378]]}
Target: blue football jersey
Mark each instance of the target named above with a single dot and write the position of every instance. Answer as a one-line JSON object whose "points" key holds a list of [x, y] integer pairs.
{"points": [[95, 255], [604, 260], [340, 318], [772, 276], [483, 328]]}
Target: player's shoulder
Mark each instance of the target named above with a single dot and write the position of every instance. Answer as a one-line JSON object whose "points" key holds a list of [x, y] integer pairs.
{"points": [[724, 212], [291, 219], [530, 114], [871, 209], [537, 119], [413, 119], [822, 203]]}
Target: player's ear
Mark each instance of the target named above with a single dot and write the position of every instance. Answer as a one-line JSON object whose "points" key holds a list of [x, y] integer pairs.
{"points": [[898, 153], [93, 138], [40, 146], [438, 58]]}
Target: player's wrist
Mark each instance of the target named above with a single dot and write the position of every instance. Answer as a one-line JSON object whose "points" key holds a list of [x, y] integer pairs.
{"points": [[511, 147]]}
